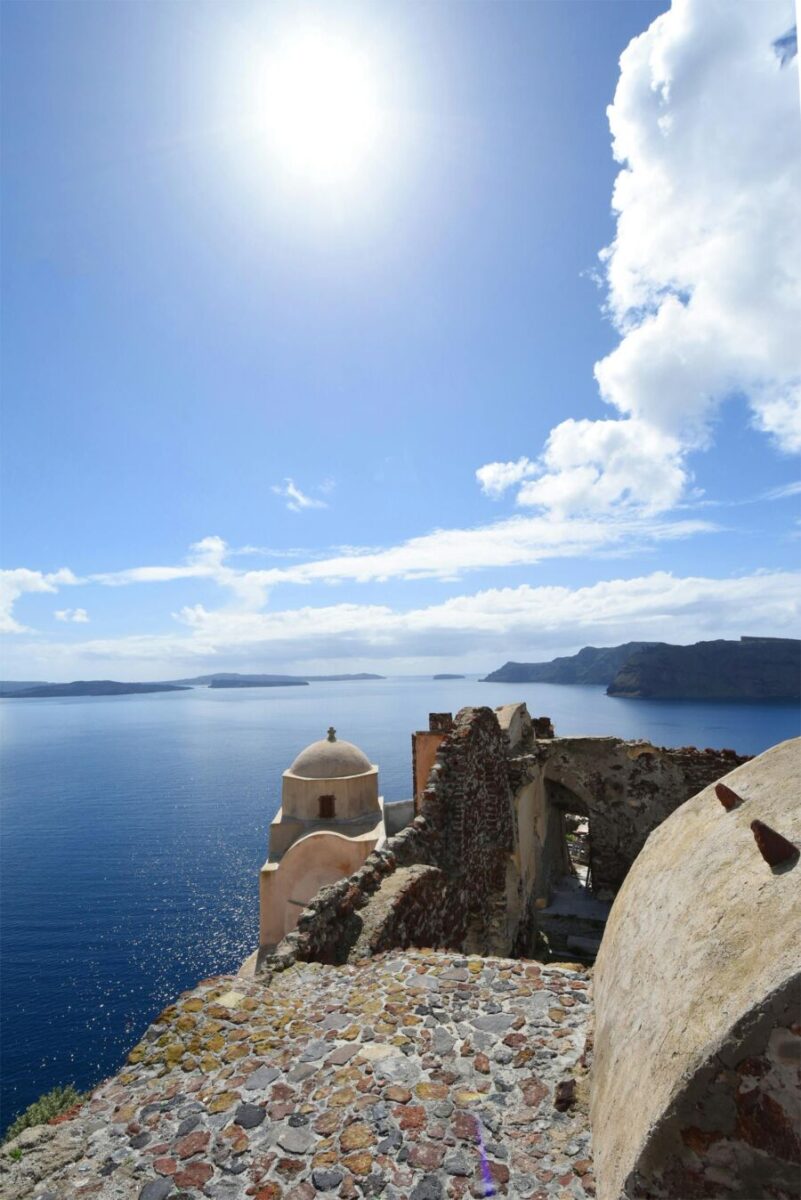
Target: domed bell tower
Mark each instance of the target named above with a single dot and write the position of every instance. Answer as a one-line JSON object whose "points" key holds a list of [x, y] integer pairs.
{"points": [[331, 817]]}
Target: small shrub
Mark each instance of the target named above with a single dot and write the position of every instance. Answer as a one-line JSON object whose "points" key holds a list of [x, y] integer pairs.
{"points": [[50, 1105]]}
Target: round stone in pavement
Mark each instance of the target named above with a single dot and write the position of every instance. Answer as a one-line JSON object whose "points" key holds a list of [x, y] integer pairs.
{"points": [[429, 1188], [157, 1189], [249, 1115], [326, 1181]]}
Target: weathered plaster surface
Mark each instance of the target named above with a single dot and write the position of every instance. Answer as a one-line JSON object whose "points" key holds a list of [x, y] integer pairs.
{"points": [[695, 1088]]}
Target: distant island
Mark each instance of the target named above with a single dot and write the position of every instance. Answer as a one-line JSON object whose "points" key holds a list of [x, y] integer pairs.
{"points": [[449, 677], [232, 679], [39, 689], [754, 669], [86, 687], [341, 678], [257, 683]]}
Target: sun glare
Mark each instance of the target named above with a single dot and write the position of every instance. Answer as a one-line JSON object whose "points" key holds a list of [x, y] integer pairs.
{"points": [[320, 108]]}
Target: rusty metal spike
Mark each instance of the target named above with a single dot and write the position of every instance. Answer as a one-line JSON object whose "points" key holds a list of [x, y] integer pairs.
{"points": [[728, 798], [774, 848]]}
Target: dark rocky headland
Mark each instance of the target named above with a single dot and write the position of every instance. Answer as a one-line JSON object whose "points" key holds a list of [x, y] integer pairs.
{"points": [[753, 669]]}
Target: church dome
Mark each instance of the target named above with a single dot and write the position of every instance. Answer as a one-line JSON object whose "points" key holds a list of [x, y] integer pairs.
{"points": [[330, 759]]}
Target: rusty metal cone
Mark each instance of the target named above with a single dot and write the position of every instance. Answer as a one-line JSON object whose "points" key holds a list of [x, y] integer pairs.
{"points": [[774, 848], [728, 798]]}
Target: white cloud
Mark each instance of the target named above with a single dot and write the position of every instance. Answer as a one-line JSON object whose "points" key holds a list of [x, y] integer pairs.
{"points": [[607, 465], [704, 274], [204, 561], [497, 477], [485, 628], [78, 616], [443, 554], [296, 500], [658, 606], [15, 583], [782, 493]]}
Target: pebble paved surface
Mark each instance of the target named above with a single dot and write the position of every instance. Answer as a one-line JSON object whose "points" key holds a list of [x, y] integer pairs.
{"points": [[420, 1075]]}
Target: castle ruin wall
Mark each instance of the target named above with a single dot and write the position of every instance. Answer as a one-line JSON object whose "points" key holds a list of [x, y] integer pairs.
{"points": [[477, 862]]}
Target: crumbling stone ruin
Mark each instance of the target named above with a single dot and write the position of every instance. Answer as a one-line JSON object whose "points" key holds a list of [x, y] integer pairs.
{"points": [[478, 862], [403, 1043]]}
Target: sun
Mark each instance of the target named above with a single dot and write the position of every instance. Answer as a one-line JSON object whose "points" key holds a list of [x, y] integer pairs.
{"points": [[319, 108]]}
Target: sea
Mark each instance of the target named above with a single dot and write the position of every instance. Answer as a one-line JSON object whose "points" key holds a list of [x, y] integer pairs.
{"points": [[133, 829]]}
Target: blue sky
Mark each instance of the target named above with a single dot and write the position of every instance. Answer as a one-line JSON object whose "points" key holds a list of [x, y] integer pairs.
{"points": [[401, 416]]}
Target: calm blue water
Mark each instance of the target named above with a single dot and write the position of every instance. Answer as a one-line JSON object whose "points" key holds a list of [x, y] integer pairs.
{"points": [[134, 827]]}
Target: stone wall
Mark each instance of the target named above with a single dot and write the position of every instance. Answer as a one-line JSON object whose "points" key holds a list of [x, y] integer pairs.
{"points": [[696, 1089], [626, 789]]}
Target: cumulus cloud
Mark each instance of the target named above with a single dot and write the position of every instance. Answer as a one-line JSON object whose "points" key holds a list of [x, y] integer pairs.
{"points": [[523, 622], [79, 616], [658, 606], [609, 465], [497, 477], [703, 277], [16, 582], [296, 500], [704, 273]]}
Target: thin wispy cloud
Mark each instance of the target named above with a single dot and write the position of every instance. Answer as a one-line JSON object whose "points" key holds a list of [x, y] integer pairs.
{"points": [[782, 493], [296, 500], [444, 554]]}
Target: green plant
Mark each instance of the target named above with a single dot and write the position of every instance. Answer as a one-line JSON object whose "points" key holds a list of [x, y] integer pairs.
{"points": [[16, 1154], [50, 1105]]}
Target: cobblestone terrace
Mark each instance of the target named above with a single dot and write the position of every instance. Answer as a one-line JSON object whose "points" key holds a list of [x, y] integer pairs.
{"points": [[415, 1075]]}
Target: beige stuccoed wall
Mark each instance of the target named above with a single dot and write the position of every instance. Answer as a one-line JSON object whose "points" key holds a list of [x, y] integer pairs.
{"points": [[313, 862], [694, 976], [354, 795]]}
